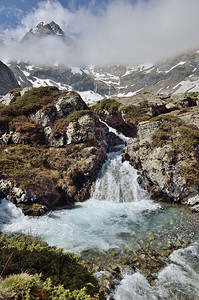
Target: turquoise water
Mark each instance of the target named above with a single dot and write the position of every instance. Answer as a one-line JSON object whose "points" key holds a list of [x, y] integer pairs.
{"points": [[120, 216]]}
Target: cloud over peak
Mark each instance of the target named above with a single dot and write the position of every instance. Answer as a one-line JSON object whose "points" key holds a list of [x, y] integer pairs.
{"points": [[122, 32]]}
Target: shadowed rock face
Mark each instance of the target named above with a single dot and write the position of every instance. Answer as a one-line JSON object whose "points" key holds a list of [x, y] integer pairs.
{"points": [[7, 79]]}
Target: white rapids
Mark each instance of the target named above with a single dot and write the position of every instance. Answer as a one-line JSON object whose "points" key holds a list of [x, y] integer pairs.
{"points": [[117, 211]]}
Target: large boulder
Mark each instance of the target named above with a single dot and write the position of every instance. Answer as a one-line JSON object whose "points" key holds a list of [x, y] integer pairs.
{"points": [[53, 147]]}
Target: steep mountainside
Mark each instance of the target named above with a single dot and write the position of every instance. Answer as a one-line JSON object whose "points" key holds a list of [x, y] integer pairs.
{"points": [[173, 76], [7, 79], [62, 77], [177, 75]]}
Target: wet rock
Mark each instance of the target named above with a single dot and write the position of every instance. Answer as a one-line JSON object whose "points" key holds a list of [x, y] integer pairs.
{"points": [[195, 208]]}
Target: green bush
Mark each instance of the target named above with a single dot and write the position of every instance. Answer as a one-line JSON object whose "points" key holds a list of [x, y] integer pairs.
{"points": [[21, 254], [29, 287], [110, 105], [136, 113]]}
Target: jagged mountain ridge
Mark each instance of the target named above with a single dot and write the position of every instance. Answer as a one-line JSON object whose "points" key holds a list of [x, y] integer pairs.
{"points": [[176, 75], [43, 30]]}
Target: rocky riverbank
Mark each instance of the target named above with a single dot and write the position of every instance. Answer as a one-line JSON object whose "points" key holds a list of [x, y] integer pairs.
{"points": [[164, 145], [52, 148]]}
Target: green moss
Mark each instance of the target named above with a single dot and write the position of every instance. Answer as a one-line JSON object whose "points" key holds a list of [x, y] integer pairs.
{"points": [[34, 100], [73, 117], [189, 136], [27, 254], [60, 126], [136, 113], [30, 102], [40, 169], [27, 287], [183, 138], [30, 131], [110, 105], [190, 172], [131, 113]]}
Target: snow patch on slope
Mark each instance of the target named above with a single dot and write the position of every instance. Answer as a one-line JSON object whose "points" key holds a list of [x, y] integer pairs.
{"points": [[90, 97], [140, 68], [179, 64], [76, 70], [48, 82], [185, 85]]}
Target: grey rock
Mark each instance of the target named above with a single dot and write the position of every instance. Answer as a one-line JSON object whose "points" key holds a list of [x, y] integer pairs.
{"points": [[146, 130], [70, 103], [24, 90], [195, 208], [83, 131], [8, 98], [16, 137]]}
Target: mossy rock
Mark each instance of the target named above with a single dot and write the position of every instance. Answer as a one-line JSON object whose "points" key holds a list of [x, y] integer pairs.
{"points": [[109, 105], [184, 140], [136, 113]]}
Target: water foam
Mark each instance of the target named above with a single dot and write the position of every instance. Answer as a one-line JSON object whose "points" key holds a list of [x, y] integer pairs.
{"points": [[179, 280]]}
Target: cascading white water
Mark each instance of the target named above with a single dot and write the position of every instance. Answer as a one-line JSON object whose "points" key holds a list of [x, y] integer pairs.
{"points": [[118, 182], [179, 280], [119, 215], [117, 202]]}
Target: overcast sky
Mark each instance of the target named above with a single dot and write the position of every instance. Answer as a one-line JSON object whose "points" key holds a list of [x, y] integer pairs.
{"points": [[106, 32]]}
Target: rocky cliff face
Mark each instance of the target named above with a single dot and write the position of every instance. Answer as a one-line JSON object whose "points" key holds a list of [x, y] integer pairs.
{"points": [[52, 148], [165, 143], [7, 79]]}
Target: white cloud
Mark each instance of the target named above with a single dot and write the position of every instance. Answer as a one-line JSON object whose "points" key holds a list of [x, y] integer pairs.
{"points": [[123, 32]]}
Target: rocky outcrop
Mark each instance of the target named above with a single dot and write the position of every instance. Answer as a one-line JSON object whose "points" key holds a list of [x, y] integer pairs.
{"points": [[53, 147], [164, 148], [165, 151], [7, 79], [128, 114]]}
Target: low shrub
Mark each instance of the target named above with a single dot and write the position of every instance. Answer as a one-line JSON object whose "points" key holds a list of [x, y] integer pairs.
{"points": [[60, 273]]}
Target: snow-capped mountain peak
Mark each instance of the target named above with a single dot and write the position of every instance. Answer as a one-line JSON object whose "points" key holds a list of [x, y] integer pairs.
{"points": [[43, 30], [56, 28]]}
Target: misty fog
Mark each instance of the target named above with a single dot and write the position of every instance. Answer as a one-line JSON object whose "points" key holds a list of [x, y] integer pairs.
{"points": [[121, 33]]}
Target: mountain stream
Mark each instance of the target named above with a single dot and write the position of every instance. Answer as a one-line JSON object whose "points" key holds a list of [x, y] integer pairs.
{"points": [[147, 249]]}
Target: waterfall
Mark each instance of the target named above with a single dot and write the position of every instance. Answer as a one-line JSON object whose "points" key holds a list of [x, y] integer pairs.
{"points": [[117, 181], [95, 87], [119, 216]]}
